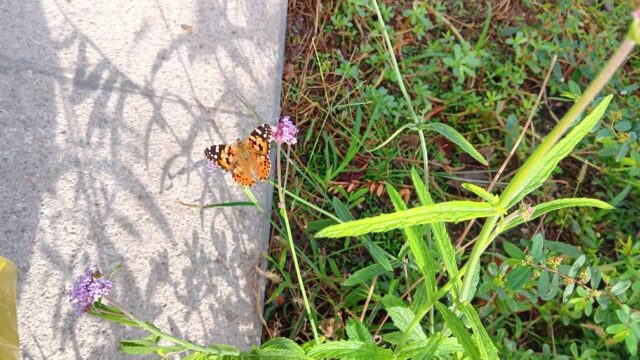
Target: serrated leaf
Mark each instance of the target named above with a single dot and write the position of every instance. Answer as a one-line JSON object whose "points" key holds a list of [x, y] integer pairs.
{"points": [[482, 193], [402, 316], [355, 350], [455, 137], [459, 331], [358, 331], [553, 205], [424, 349], [451, 211], [439, 231], [421, 254], [543, 161], [482, 338], [282, 343], [278, 354]]}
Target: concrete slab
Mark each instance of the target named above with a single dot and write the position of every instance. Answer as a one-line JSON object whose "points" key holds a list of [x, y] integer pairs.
{"points": [[105, 109]]}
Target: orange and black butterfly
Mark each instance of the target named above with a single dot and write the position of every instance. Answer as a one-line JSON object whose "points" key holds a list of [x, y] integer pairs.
{"points": [[248, 160]]}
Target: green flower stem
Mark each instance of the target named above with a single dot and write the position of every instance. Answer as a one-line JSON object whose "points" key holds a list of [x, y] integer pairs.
{"points": [[396, 70], [487, 235], [157, 332], [283, 214]]}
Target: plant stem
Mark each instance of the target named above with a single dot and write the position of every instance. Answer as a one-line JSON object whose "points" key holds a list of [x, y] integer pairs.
{"points": [[157, 332], [512, 191], [294, 257], [396, 70]]}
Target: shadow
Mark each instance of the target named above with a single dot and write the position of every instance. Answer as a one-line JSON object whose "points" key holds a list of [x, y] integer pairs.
{"points": [[100, 136]]}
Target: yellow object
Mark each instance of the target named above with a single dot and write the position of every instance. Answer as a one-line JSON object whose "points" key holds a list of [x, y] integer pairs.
{"points": [[9, 345]]}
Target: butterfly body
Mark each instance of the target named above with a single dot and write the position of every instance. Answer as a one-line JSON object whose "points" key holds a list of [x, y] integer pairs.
{"points": [[247, 160]]}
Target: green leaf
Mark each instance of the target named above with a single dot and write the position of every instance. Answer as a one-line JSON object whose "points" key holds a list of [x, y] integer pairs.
{"points": [[378, 253], [539, 167], [224, 349], [455, 137], [365, 274], [620, 287], [402, 316], [459, 331], [543, 286], [513, 250], [452, 211], [282, 343], [565, 249], [568, 290], [482, 338], [553, 205], [356, 350], [536, 249], [358, 331], [138, 347], [424, 349], [573, 271], [421, 254], [195, 356], [482, 193], [439, 231], [631, 342], [518, 277]]}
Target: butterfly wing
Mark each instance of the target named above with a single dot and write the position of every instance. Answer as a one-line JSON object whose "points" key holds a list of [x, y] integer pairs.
{"points": [[260, 139], [222, 155], [242, 178], [264, 167]]}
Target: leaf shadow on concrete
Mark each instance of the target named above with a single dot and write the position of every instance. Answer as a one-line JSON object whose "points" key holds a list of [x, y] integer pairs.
{"points": [[65, 181]]}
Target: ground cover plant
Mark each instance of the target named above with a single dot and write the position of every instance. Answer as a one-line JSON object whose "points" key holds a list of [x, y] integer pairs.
{"points": [[451, 193]]}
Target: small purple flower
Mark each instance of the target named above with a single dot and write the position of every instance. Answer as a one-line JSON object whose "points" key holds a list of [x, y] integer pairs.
{"points": [[211, 166], [285, 131], [88, 288]]}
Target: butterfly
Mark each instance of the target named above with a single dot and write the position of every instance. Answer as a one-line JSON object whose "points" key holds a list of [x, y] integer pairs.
{"points": [[246, 160]]}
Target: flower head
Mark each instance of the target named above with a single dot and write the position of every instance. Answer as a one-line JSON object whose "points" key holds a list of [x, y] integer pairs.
{"points": [[211, 166], [285, 131], [88, 288]]}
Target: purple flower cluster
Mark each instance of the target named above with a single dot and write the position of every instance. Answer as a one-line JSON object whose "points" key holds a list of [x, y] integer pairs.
{"points": [[88, 288], [285, 131]]}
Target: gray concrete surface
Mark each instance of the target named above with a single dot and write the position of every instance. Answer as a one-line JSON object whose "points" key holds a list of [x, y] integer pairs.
{"points": [[105, 109]]}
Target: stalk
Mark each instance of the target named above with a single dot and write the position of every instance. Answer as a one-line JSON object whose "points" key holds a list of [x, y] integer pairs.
{"points": [[512, 190], [294, 256]]}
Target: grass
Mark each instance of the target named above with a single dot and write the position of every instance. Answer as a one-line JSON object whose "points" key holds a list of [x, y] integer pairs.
{"points": [[478, 69]]}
